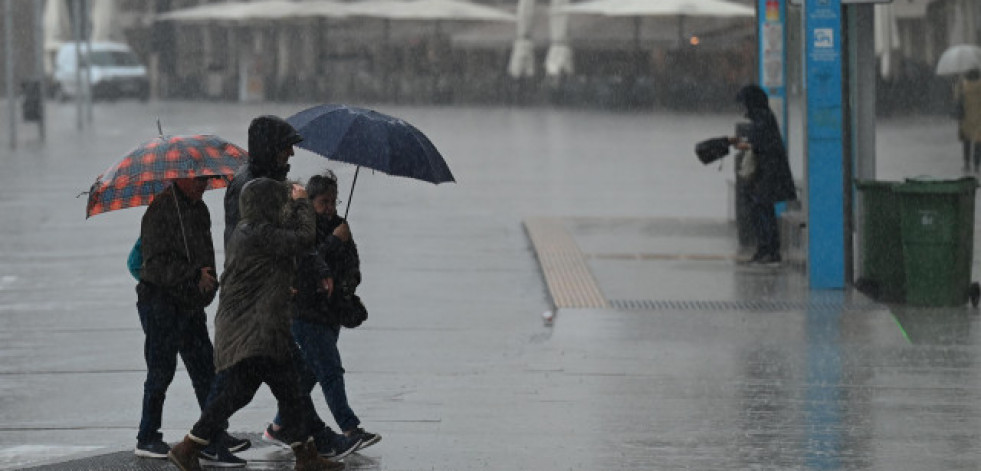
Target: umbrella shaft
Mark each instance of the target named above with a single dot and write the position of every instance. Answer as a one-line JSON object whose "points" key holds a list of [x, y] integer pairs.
{"points": [[351, 194]]}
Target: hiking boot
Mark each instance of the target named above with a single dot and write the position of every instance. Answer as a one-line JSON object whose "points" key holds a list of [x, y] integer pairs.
{"points": [[217, 456], [274, 437], [185, 454], [152, 449], [308, 459], [367, 438], [334, 445], [234, 444]]}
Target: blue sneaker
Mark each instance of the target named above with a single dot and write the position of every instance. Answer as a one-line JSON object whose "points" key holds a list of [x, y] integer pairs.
{"points": [[218, 456]]}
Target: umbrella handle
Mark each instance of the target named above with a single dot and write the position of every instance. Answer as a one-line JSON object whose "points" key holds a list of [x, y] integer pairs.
{"points": [[351, 194], [160, 128]]}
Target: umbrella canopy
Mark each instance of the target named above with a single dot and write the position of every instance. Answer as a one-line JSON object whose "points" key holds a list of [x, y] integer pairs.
{"points": [[246, 12], [370, 139], [680, 9], [710, 8], [959, 59], [367, 138], [151, 166], [437, 10]]}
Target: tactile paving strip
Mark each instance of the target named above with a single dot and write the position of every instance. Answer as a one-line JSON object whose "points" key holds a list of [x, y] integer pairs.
{"points": [[746, 305], [567, 276]]}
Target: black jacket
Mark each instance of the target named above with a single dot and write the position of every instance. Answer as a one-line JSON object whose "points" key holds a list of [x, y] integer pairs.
{"points": [[167, 263], [772, 181], [332, 258]]}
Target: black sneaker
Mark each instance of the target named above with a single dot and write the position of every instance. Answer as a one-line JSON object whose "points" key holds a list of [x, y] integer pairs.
{"points": [[152, 449], [334, 445], [218, 456], [234, 444], [274, 437], [367, 438], [771, 261], [748, 260]]}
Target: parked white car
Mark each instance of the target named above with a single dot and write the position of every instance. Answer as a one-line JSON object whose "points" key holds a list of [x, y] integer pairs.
{"points": [[116, 71]]}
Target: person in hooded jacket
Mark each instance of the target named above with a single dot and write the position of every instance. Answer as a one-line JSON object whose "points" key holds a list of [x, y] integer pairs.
{"points": [[771, 181], [271, 141], [316, 323], [252, 326]]}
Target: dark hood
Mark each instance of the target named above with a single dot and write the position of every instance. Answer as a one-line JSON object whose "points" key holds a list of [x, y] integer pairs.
{"points": [[262, 201], [268, 135], [756, 101]]}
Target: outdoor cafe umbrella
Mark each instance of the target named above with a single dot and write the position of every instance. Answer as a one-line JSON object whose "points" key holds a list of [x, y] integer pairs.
{"points": [[959, 59], [244, 13], [367, 138], [678, 9], [437, 11]]}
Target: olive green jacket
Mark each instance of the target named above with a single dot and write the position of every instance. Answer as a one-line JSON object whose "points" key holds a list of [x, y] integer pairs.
{"points": [[253, 318]]}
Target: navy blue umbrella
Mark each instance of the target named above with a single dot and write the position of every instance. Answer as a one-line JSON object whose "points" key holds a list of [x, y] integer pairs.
{"points": [[367, 138]]}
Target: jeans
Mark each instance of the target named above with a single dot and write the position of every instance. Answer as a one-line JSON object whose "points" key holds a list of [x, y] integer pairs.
{"points": [[765, 227], [171, 331], [320, 361], [242, 380]]}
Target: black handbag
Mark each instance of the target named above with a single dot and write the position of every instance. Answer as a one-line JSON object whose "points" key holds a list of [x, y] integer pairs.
{"points": [[344, 309], [713, 149]]}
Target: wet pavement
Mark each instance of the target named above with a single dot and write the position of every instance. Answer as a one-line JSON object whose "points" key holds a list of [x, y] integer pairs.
{"points": [[688, 362]]}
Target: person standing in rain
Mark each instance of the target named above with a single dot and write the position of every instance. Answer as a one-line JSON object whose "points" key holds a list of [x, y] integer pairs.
{"points": [[316, 324], [770, 182], [177, 281], [968, 96], [252, 326]]}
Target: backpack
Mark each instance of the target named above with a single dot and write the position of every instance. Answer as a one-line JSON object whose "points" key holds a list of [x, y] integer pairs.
{"points": [[135, 260]]}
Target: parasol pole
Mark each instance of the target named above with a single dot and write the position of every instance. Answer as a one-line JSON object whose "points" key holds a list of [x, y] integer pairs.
{"points": [[159, 128], [351, 194]]}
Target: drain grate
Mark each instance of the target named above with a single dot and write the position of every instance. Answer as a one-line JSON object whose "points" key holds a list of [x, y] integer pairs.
{"points": [[746, 305]]}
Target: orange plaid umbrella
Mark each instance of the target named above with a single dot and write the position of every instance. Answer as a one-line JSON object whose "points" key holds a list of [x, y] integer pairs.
{"points": [[148, 169]]}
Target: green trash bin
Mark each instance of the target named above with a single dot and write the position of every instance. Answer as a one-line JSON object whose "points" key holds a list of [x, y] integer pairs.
{"points": [[938, 240], [881, 273]]}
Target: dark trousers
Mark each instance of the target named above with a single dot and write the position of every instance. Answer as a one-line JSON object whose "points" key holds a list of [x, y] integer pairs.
{"points": [[969, 149], [319, 361], [765, 226], [171, 331], [242, 380]]}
